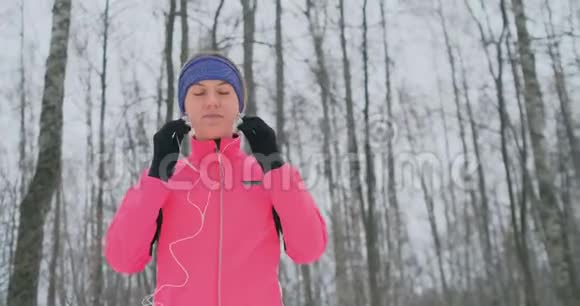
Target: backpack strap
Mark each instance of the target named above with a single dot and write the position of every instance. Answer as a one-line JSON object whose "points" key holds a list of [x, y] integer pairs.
{"points": [[159, 222]]}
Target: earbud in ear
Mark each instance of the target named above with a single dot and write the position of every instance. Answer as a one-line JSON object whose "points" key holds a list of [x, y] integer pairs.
{"points": [[237, 122]]}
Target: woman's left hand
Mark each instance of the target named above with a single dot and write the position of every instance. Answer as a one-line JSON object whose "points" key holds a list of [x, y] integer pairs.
{"points": [[262, 139]]}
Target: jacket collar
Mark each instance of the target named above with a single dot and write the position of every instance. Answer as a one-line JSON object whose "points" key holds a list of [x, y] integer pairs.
{"points": [[229, 146]]}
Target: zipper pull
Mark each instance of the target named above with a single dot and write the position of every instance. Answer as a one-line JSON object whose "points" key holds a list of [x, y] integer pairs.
{"points": [[217, 144]]}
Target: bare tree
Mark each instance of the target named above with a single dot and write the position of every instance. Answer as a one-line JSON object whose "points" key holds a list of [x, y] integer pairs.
{"points": [[452, 229], [97, 273], [573, 9], [393, 201], [427, 197], [313, 16], [249, 12], [168, 54], [23, 102], [23, 284], [556, 242], [214, 42], [306, 290], [562, 92], [54, 259], [184, 55], [280, 135], [159, 94], [369, 215], [353, 153]]}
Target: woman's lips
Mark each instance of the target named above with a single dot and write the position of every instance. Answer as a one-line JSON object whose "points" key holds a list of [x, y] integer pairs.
{"points": [[213, 116]]}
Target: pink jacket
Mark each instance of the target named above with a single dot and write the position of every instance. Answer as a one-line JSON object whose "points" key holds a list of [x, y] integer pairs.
{"points": [[218, 244]]}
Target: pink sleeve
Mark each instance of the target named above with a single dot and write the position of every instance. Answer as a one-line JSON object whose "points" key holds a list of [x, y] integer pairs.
{"points": [[303, 226], [129, 235]]}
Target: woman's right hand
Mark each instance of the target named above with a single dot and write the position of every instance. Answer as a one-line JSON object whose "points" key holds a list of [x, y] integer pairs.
{"points": [[166, 145]]}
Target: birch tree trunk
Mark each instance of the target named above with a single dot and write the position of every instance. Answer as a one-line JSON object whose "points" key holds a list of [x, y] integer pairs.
{"points": [[23, 282]]}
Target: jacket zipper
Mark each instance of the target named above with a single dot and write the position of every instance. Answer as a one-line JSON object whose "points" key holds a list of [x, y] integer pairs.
{"points": [[217, 149]]}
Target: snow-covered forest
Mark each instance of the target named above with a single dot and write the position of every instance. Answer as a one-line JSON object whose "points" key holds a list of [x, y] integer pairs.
{"points": [[440, 139]]}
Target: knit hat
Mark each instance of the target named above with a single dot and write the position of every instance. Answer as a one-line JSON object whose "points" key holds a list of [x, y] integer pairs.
{"points": [[209, 67]]}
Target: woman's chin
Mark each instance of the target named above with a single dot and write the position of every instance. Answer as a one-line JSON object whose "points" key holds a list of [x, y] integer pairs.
{"points": [[213, 134]]}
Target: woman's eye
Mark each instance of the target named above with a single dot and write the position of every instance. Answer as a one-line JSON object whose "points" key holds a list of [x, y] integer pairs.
{"points": [[199, 93], [223, 93]]}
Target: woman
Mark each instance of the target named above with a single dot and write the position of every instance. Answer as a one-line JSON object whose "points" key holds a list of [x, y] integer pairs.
{"points": [[212, 212]]}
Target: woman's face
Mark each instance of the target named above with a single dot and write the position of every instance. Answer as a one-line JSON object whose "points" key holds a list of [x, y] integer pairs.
{"points": [[212, 107]]}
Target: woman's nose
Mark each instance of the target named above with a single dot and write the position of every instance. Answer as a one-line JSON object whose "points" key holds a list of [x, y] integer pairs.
{"points": [[213, 99]]}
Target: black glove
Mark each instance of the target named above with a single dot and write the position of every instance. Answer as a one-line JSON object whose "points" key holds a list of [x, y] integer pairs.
{"points": [[166, 148], [262, 139]]}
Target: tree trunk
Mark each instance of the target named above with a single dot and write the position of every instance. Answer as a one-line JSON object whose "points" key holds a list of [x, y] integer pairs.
{"points": [[52, 267], [307, 285], [492, 271], [170, 98], [184, 33], [80, 291], [343, 290], [520, 234], [62, 280], [98, 263], [68, 257], [353, 153], [466, 176], [562, 92], [503, 119], [22, 89], [392, 198], [159, 95], [450, 185], [573, 13], [369, 221], [568, 124], [556, 242], [481, 184], [280, 135], [430, 205], [249, 13], [214, 42], [23, 283]]}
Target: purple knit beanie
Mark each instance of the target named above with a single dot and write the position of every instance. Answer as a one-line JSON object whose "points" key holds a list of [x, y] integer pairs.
{"points": [[209, 67]]}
